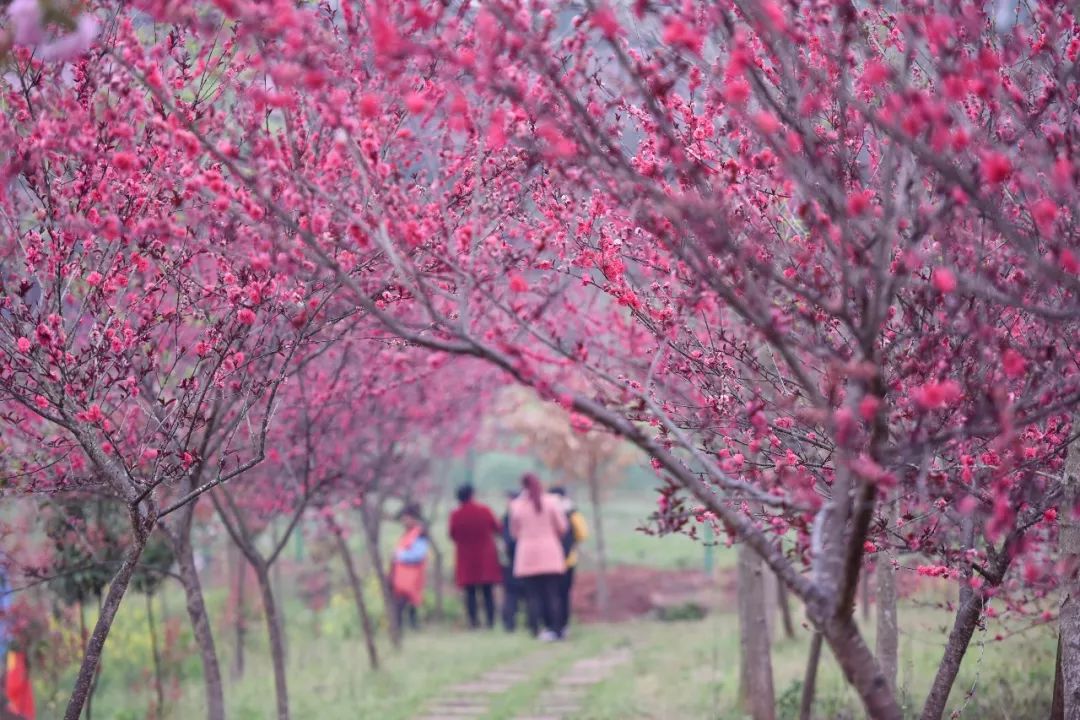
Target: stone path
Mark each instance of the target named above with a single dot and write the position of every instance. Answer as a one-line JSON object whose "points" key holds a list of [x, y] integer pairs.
{"points": [[564, 699], [471, 699]]}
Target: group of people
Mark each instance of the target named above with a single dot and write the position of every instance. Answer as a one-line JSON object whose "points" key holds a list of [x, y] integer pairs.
{"points": [[539, 532]]}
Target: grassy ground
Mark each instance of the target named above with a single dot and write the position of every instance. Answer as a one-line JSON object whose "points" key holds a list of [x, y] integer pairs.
{"points": [[679, 670]]}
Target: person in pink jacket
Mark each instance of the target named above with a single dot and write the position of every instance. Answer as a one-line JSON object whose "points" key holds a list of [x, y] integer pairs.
{"points": [[537, 524]]}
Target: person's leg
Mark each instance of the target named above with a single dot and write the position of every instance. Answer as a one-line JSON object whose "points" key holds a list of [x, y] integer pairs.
{"points": [[489, 603], [553, 591], [567, 586], [533, 600], [414, 617], [399, 611], [510, 602], [470, 605]]}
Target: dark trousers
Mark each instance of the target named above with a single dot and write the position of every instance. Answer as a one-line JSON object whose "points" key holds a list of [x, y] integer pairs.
{"points": [[471, 591], [513, 600], [566, 586], [544, 593], [404, 609]]}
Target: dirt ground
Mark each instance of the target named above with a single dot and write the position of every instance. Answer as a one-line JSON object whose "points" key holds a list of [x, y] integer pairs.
{"points": [[634, 591]]}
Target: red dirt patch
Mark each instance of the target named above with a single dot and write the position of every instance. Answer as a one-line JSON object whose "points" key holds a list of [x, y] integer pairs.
{"points": [[635, 590]]}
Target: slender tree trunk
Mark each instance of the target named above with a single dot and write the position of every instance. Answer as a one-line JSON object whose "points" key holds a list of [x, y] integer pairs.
{"points": [[806, 708], [85, 642], [277, 641], [371, 536], [864, 594], [1069, 615], [358, 595], [888, 624], [784, 603], [92, 656], [1057, 704], [601, 547], [159, 689], [200, 622], [240, 601], [756, 682], [439, 568], [860, 667], [967, 619]]}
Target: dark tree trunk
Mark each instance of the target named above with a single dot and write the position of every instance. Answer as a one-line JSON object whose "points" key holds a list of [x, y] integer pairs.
{"points": [[601, 547], [967, 619], [756, 681], [200, 622], [1057, 704], [85, 642], [358, 594], [240, 583], [117, 588], [277, 641], [439, 568], [1069, 616], [806, 708], [864, 594], [159, 690], [371, 537], [888, 624], [784, 603], [861, 668]]}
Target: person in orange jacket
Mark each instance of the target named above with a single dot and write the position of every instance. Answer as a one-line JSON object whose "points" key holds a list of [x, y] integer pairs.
{"points": [[409, 568]]}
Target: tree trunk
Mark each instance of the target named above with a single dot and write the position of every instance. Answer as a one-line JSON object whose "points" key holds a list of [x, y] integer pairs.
{"points": [[967, 619], [806, 709], [371, 536], [860, 667], [1069, 615], [277, 641], [864, 594], [601, 547], [85, 642], [358, 595], [756, 681], [1057, 704], [784, 603], [159, 689], [200, 622], [888, 624], [117, 587], [239, 579], [438, 567]]}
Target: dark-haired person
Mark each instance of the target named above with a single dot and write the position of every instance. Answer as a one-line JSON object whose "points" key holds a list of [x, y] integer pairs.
{"points": [[577, 532], [473, 529], [409, 568], [537, 523]]}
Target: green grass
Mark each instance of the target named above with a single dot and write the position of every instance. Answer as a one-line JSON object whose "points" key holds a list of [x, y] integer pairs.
{"points": [[678, 670]]}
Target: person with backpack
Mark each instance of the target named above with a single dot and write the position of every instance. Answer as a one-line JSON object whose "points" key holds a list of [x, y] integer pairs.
{"points": [[577, 531]]}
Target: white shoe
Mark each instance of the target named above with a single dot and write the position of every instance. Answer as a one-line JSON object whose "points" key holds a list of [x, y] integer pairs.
{"points": [[547, 636]]}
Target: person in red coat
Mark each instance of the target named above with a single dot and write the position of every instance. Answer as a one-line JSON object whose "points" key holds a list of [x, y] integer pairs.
{"points": [[473, 529]]}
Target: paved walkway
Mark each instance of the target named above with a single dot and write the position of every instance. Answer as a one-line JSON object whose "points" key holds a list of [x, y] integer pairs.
{"points": [[564, 699], [561, 701], [472, 699]]}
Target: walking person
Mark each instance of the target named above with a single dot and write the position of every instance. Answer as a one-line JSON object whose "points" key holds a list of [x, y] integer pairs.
{"points": [[513, 591], [409, 567], [537, 524], [577, 532], [473, 528]]}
